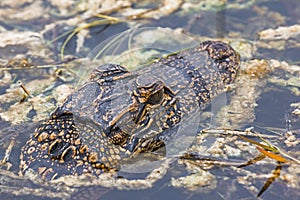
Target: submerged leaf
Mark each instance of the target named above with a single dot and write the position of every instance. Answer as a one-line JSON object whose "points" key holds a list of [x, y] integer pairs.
{"points": [[275, 174], [259, 144], [252, 161], [272, 155]]}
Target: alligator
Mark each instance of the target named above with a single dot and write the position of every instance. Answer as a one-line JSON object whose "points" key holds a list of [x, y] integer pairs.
{"points": [[118, 113]]}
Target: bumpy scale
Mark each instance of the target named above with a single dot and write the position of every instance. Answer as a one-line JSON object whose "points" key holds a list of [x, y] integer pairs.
{"points": [[117, 113]]}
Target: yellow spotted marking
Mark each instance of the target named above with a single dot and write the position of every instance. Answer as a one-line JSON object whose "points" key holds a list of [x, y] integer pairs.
{"points": [[111, 152], [44, 146], [52, 136], [41, 170], [36, 133], [31, 143], [118, 157], [102, 149], [42, 137], [93, 157], [77, 142], [83, 149], [104, 159], [85, 159], [79, 163], [98, 172], [98, 165], [117, 151], [61, 133], [30, 150]]}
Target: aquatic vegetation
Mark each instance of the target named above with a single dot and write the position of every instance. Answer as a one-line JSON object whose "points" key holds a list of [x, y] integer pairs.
{"points": [[46, 53]]}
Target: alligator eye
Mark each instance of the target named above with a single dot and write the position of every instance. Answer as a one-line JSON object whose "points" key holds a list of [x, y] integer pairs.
{"points": [[156, 98], [148, 89]]}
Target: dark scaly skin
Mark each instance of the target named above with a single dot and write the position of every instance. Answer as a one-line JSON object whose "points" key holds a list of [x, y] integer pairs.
{"points": [[118, 113]]}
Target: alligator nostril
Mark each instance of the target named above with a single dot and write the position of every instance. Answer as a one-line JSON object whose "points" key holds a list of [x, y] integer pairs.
{"points": [[68, 154], [57, 148]]}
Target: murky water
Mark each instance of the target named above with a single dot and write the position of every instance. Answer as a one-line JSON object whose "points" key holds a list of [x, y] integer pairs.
{"points": [[265, 95]]}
